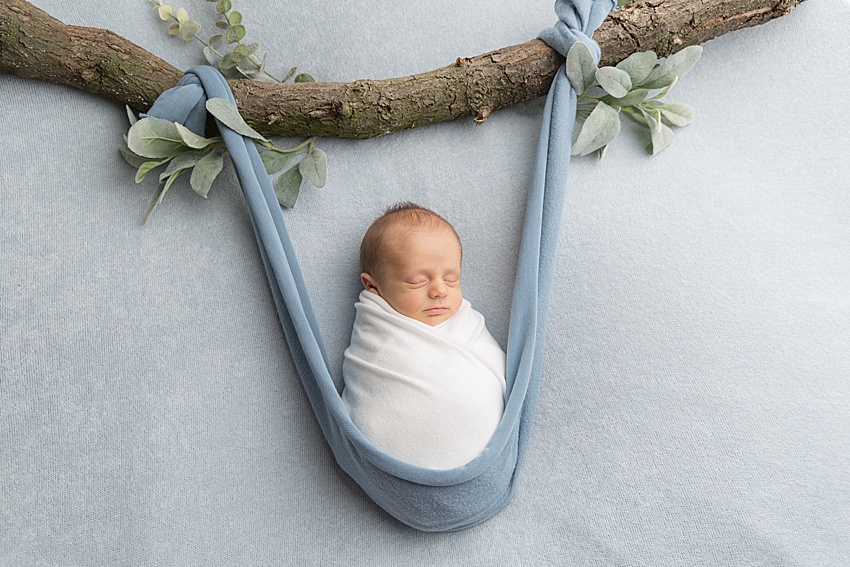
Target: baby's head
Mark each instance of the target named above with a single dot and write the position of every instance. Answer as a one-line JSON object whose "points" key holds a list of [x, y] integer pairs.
{"points": [[411, 257]]}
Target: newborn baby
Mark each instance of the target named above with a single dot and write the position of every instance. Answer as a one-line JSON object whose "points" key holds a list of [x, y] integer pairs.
{"points": [[424, 379]]}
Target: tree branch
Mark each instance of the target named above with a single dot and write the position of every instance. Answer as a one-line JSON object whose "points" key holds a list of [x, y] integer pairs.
{"points": [[34, 44]]}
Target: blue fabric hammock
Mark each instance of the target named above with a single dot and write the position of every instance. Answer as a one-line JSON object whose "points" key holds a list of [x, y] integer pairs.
{"points": [[425, 499]]}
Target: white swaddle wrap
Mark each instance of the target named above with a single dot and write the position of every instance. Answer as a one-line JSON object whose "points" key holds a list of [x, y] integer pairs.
{"points": [[430, 396]]}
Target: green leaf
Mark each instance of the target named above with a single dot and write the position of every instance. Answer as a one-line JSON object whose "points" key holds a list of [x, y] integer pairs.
{"points": [[275, 161], [580, 67], [262, 64], [638, 65], [631, 99], [222, 24], [131, 115], [157, 199], [216, 41], [289, 74], [288, 186], [189, 29], [182, 15], [154, 138], [598, 130], [234, 18], [677, 65], [246, 49], [227, 62], [146, 167], [664, 92], [131, 158], [648, 105], [314, 167], [616, 82], [205, 172], [234, 33], [183, 161], [193, 140], [677, 113], [210, 55], [174, 28], [223, 6], [304, 78], [247, 69], [171, 179], [227, 113], [164, 176], [661, 134], [161, 190], [257, 66], [164, 12]]}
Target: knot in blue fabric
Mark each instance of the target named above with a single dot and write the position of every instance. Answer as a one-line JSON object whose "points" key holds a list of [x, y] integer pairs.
{"points": [[577, 20], [186, 101]]}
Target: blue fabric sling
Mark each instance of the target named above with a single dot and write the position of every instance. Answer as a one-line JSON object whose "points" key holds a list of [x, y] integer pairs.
{"points": [[425, 499]]}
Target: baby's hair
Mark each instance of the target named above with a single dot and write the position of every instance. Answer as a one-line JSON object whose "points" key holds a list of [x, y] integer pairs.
{"points": [[405, 216]]}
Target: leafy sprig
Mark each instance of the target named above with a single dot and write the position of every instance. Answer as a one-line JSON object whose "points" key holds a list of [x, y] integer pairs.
{"points": [[605, 92], [225, 49], [153, 143]]}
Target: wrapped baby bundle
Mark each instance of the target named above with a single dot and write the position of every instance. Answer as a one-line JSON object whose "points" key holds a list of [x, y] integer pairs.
{"points": [[424, 498], [430, 396]]}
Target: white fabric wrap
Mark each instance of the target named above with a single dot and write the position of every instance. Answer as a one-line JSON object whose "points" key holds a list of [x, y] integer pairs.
{"points": [[430, 396]]}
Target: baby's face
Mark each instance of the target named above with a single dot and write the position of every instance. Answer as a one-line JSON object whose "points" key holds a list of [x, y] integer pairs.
{"points": [[421, 275]]}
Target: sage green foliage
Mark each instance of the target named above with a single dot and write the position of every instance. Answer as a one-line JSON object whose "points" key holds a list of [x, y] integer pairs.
{"points": [[605, 92], [152, 143], [288, 185], [224, 49], [228, 115]]}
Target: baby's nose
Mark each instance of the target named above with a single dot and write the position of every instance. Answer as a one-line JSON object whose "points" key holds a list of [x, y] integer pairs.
{"points": [[438, 289]]}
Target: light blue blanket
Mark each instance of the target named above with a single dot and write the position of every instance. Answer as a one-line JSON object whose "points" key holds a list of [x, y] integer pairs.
{"points": [[425, 499], [694, 402]]}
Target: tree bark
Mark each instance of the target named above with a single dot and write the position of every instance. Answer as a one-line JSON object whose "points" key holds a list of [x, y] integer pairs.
{"points": [[34, 44]]}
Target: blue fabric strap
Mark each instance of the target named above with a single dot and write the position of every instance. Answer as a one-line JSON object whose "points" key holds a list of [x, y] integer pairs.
{"points": [[425, 499]]}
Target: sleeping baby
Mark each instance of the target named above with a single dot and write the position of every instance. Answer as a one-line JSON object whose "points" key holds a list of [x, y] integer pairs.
{"points": [[424, 379]]}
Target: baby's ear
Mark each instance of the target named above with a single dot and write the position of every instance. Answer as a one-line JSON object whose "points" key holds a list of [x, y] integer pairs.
{"points": [[369, 283]]}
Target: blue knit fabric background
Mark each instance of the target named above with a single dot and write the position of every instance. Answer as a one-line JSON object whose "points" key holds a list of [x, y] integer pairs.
{"points": [[695, 406]]}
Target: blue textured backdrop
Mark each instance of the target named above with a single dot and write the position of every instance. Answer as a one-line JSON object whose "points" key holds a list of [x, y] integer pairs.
{"points": [[696, 404]]}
